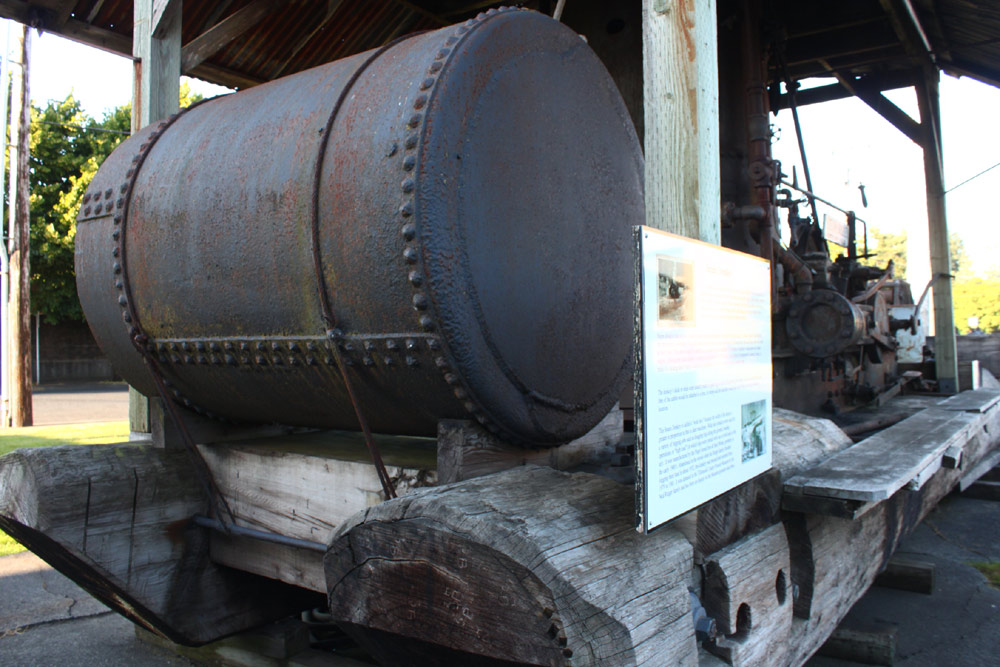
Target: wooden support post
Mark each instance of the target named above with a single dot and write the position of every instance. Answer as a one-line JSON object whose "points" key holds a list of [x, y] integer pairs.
{"points": [[18, 406], [945, 345], [156, 54], [681, 117], [157, 57]]}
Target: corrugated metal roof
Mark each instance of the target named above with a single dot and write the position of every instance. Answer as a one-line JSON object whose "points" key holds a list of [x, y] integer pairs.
{"points": [[853, 37]]}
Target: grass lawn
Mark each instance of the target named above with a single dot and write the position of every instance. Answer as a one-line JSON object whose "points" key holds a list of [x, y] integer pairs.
{"points": [[64, 434]]}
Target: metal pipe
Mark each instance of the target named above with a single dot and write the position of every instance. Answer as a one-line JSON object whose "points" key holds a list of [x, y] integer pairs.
{"points": [[263, 536], [761, 167], [815, 196], [557, 14], [799, 269], [793, 105]]}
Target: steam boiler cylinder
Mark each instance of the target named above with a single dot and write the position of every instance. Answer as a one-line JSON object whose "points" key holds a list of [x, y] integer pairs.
{"points": [[451, 214]]}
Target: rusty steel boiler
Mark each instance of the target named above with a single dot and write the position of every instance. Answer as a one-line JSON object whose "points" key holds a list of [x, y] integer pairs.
{"points": [[452, 211]]}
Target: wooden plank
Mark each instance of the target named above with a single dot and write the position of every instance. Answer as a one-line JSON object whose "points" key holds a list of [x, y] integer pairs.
{"points": [[748, 592], [299, 567], [681, 118], [115, 519], [877, 467], [305, 485], [207, 44], [876, 646], [976, 400], [983, 490], [466, 450], [538, 566], [834, 507], [907, 575]]}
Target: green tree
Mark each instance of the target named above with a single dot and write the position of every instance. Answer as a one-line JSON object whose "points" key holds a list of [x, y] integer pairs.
{"points": [[979, 298], [66, 147], [887, 245]]}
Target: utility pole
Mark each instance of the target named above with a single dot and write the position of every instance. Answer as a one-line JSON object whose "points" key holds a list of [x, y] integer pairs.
{"points": [[19, 306]]}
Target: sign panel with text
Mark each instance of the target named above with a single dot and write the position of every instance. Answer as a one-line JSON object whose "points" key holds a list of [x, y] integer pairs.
{"points": [[703, 376]]}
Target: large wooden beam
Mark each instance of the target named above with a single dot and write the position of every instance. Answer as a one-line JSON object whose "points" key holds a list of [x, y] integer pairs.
{"points": [[945, 344], [115, 519], [681, 117], [837, 91], [525, 566], [210, 42], [908, 29], [156, 90]]}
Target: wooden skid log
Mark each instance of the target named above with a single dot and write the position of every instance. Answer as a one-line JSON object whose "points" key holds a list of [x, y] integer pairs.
{"points": [[114, 519], [527, 566]]}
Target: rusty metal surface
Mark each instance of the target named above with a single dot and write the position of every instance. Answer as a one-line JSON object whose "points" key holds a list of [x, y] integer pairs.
{"points": [[474, 208]]}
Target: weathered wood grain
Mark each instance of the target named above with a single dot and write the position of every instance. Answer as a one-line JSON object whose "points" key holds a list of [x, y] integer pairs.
{"points": [[114, 519], [834, 561], [304, 485], [681, 117], [799, 442], [908, 575], [748, 592], [467, 450], [874, 469], [875, 646], [553, 554], [978, 400]]}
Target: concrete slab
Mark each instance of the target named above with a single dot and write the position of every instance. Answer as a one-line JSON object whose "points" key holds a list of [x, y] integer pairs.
{"points": [[76, 403], [31, 592], [956, 625]]}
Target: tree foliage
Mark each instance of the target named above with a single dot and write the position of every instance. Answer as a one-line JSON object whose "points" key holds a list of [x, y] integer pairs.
{"points": [[979, 298], [886, 246], [66, 148]]}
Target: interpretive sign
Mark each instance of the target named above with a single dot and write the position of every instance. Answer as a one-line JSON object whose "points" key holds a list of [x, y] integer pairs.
{"points": [[703, 373]]}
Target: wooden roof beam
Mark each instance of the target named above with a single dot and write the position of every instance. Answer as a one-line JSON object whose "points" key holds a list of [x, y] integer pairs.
{"points": [[331, 8], [423, 12], [204, 46], [882, 105], [160, 8], [837, 91], [907, 27]]}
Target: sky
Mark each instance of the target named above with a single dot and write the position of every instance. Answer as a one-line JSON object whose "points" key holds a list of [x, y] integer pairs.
{"points": [[847, 143]]}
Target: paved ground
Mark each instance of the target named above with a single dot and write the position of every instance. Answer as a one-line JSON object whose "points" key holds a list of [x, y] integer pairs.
{"points": [[959, 624], [45, 619], [78, 403]]}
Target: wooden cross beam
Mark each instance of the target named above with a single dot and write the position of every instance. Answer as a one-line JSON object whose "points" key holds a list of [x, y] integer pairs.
{"points": [[215, 38]]}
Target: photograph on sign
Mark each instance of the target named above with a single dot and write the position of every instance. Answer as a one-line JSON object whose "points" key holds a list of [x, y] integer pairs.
{"points": [[703, 376]]}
